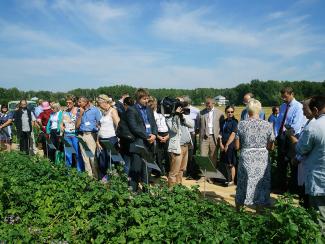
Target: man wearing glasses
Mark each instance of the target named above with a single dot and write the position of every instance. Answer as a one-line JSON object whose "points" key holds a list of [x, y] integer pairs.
{"points": [[244, 113]]}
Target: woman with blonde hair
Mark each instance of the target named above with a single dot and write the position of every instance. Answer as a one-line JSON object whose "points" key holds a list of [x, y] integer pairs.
{"points": [[254, 138], [68, 126], [53, 129], [107, 131]]}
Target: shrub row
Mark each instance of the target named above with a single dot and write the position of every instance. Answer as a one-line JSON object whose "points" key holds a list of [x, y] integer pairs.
{"points": [[41, 202]]}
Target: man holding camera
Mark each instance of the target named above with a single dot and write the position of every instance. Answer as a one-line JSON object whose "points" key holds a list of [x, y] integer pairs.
{"points": [[180, 140], [142, 125], [290, 117], [209, 122]]}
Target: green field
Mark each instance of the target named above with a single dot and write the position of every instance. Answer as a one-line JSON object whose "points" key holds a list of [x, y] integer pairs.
{"points": [[45, 203]]}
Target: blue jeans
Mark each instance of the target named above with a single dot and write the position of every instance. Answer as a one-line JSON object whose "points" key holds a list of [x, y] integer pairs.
{"points": [[73, 140]]}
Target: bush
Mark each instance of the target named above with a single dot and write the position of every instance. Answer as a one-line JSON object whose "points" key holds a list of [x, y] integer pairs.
{"points": [[40, 202]]}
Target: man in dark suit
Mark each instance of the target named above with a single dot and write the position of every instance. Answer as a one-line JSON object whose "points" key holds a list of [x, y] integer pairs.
{"points": [[209, 122], [143, 126], [126, 137], [120, 104]]}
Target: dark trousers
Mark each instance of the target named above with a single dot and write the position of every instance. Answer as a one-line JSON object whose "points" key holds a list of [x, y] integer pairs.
{"points": [[142, 173], [283, 161], [318, 204], [54, 138], [162, 157], [125, 153], [192, 168], [24, 141], [139, 172], [104, 158], [303, 197]]}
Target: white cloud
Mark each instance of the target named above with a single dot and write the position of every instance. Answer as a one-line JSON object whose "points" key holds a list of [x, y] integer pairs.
{"points": [[98, 17], [179, 24], [89, 10], [29, 39], [283, 34], [277, 15], [140, 68], [267, 53]]}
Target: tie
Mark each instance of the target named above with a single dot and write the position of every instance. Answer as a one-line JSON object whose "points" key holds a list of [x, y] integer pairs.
{"points": [[284, 119], [207, 133]]}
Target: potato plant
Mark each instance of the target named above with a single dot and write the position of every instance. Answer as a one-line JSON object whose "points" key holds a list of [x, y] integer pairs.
{"points": [[42, 202]]}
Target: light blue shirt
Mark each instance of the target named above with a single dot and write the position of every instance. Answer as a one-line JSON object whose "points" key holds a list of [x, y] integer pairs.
{"points": [[244, 115], [38, 110], [90, 120], [272, 119], [295, 117], [311, 144]]}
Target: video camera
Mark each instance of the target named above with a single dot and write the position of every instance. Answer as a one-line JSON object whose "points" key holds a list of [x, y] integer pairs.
{"points": [[169, 105]]}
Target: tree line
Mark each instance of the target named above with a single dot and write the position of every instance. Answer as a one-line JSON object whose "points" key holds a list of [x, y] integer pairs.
{"points": [[268, 92]]}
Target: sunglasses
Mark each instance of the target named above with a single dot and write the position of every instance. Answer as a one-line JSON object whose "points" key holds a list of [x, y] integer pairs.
{"points": [[230, 112]]}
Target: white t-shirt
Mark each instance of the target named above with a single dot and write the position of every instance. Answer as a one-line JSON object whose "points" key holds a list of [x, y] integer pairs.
{"points": [[25, 120], [54, 121], [69, 121], [194, 112], [161, 122], [107, 128]]}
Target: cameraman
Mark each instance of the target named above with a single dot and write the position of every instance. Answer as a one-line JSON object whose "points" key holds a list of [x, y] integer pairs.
{"points": [[179, 142]]}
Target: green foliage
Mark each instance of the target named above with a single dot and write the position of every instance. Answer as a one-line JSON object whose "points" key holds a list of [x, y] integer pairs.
{"points": [[42, 202], [268, 92]]}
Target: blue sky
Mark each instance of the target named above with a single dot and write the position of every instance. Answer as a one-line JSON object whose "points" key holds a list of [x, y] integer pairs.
{"points": [[65, 44]]}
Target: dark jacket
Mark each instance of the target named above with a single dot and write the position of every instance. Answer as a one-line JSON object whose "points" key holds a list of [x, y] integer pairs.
{"points": [[18, 121], [120, 108], [227, 127], [137, 126], [123, 131]]}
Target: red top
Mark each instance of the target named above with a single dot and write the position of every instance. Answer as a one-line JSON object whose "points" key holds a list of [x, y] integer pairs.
{"points": [[44, 118]]}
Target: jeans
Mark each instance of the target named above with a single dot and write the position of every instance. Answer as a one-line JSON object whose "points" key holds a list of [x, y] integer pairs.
{"points": [[73, 141], [127, 160]]}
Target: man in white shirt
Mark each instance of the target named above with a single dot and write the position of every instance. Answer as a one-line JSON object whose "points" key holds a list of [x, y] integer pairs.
{"points": [[162, 157], [209, 121]]}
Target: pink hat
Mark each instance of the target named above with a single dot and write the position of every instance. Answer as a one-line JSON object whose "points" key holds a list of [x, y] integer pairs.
{"points": [[45, 105]]}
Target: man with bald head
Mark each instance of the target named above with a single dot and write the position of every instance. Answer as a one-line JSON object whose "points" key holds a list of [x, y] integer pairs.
{"points": [[244, 113]]}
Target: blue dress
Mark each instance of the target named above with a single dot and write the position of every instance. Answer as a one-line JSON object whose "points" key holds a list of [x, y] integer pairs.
{"points": [[254, 170], [5, 133], [228, 126]]}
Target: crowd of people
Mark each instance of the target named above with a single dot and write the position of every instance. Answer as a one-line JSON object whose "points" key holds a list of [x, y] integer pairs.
{"points": [[141, 132]]}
